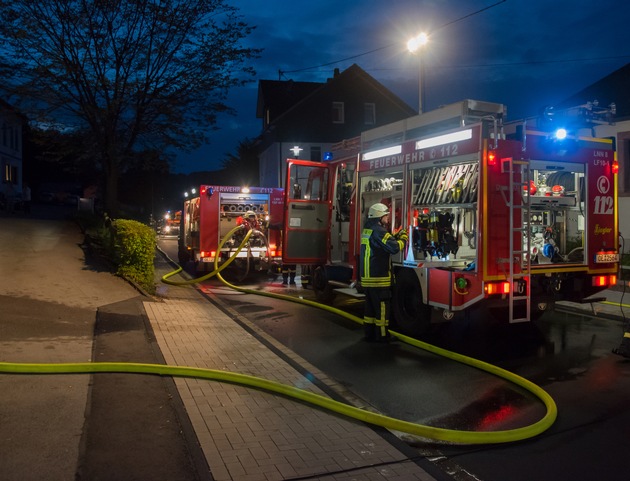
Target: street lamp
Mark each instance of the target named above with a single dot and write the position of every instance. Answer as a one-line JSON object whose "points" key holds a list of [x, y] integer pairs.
{"points": [[414, 45]]}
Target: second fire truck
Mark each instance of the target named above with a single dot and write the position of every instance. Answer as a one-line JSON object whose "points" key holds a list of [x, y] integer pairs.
{"points": [[508, 218], [208, 218]]}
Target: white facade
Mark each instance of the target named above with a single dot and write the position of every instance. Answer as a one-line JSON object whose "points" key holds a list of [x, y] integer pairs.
{"points": [[10, 152], [273, 160]]}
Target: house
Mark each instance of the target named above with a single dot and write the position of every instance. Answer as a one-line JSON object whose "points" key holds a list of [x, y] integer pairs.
{"points": [[305, 119], [10, 150], [607, 104]]}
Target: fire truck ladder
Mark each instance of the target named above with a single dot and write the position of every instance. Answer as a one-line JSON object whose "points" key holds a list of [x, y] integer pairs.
{"points": [[518, 202]]}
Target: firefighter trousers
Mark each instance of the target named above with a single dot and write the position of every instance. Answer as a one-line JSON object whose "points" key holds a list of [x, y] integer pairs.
{"points": [[376, 313]]}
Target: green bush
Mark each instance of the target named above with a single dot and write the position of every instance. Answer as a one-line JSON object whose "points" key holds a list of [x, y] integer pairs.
{"points": [[134, 251]]}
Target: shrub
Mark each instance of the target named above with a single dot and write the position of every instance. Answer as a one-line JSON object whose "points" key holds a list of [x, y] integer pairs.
{"points": [[134, 251]]}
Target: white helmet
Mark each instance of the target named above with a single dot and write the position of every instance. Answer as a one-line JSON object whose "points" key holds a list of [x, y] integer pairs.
{"points": [[250, 213], [377, 211]]}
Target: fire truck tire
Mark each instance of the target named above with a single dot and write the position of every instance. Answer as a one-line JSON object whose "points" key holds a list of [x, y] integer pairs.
{"points": [[183, 256], [323, 290], [410, 314]]}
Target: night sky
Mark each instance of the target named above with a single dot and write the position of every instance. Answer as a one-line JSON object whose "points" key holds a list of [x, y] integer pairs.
{"points": [[526, 54]]}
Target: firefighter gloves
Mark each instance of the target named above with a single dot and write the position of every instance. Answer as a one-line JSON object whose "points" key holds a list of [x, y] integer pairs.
{"points": [[402, 235]]}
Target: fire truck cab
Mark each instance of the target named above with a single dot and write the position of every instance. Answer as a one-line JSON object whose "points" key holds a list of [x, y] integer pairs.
{"points": [[209, 217], [500, 216]]}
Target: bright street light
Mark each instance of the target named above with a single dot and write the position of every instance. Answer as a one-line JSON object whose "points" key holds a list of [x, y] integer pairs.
{"points": [[418, 42], [414, 45]]}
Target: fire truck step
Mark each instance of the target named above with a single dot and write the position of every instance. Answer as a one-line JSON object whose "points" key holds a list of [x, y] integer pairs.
{"points": [[592, 299]]}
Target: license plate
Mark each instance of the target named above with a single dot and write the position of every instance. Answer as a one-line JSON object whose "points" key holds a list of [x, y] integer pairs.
{"points": [[605, 258]]}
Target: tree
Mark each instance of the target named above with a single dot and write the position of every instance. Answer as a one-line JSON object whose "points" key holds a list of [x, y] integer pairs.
{"points": [[135, 74], [243, 167]]}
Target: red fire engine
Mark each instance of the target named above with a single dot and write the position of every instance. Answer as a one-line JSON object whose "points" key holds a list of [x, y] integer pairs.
{"points": [[208, 218], [501, 217]]}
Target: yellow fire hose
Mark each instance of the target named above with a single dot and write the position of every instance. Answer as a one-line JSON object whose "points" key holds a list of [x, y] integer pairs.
{"points": [[429, 432]]}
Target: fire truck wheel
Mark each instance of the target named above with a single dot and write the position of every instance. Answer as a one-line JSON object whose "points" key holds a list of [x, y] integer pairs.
{"points": [[183, 256], [323, 291], [410, 314]]}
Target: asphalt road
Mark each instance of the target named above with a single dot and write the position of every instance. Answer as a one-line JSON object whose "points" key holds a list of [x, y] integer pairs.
{"points": [[567, 354]]}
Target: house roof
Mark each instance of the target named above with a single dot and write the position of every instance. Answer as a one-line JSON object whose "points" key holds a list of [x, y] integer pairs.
{"points": [[612, 88], [280, 95], [284, 96]]}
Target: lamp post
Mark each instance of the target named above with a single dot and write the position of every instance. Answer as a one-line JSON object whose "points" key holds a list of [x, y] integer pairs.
{"points": [[414, 45]]}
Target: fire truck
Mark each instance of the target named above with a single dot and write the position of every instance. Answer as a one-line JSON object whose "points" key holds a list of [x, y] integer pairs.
{"points": [[209, 217], [169, 226], [502, 218]]}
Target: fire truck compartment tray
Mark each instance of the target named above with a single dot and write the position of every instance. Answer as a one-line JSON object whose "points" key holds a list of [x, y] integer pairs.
{"points": [[546, 201]]}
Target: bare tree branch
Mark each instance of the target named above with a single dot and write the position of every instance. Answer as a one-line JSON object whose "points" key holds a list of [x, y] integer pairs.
{"points": [[136, 74]]}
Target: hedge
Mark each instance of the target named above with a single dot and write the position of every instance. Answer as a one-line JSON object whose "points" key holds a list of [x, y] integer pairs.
{"points": [[134, 251]]}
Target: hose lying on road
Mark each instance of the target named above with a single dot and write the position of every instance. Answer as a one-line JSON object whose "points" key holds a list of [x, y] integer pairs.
{"points": [[430, 432]]}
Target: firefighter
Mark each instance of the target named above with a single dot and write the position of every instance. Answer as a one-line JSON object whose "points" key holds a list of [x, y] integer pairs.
{"points": [[377, 246], [250, 221], [288, 274]]}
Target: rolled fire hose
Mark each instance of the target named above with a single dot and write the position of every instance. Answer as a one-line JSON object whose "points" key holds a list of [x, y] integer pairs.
{"points": [[429, 432]]}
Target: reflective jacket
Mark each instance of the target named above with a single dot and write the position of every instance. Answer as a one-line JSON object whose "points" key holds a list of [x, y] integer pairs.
{"points": [[377, 246]]}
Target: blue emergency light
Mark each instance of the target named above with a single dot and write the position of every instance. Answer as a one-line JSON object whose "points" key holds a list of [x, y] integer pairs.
{"points": [[560, 134]]}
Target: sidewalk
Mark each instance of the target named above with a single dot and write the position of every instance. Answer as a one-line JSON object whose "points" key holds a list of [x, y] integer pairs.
{"points": [[250, 435], [616, 306]]}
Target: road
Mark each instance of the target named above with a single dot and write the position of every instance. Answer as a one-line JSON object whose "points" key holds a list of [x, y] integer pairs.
{"points": [[567, 354]]}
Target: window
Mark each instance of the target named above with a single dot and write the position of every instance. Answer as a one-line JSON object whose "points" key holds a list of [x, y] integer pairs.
{"points": [[369, 113], [10, 136], [338, 113], [316, 153], [9, 173]]}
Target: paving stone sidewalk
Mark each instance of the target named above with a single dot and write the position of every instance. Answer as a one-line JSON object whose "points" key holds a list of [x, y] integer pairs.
{"points": [[250, 435]]}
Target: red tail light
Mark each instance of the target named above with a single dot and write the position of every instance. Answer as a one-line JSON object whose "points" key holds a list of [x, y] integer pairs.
{"points": [[605, 281], [497, 288]]}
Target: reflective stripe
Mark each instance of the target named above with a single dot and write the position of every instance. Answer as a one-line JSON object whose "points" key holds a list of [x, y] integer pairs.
{"points": [[376, 281], [382, 321], [365, 241], [626, 334], [368, 320]]}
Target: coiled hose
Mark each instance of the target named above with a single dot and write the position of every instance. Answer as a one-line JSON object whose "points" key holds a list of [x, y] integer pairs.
{"points": [[429, 432]]}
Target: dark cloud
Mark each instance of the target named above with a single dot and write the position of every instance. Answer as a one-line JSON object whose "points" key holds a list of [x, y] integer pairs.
{"points": [[523, 53]]}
